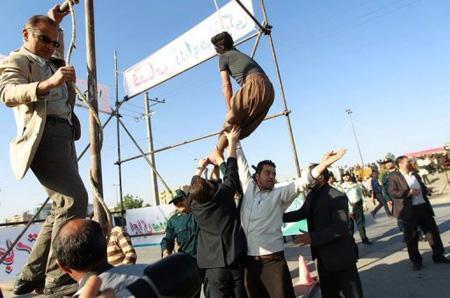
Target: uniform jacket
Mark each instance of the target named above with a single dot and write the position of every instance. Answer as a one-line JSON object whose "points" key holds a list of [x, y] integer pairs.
{"points": [[19, 78], [221, 240], [402, 200], [330, 239], [184, 228]]}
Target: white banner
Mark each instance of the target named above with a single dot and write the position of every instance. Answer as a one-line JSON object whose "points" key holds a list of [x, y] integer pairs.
{"points": [[150, 222], [189, 49], [102, 98], [17, 258]]}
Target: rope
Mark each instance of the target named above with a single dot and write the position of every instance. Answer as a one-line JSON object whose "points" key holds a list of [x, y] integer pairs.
{"points": [[97, 119], [220, 16]]}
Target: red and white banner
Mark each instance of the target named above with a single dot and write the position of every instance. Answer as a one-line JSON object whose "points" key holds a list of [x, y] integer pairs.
{"points": [[17, 258], [150, 222], [189, 49]]}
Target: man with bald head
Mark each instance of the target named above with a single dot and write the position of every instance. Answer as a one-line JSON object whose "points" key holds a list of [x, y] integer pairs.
{"points": [[71, 244], [36, 83]]}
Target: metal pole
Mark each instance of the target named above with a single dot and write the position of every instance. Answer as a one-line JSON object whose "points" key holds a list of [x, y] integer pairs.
{"points": [[116, 82], [256, 43], [96, 163], [192, 140], [150, 148], [283, 97], [349, 112], [143, 154], [251, 16], [23, 232]]}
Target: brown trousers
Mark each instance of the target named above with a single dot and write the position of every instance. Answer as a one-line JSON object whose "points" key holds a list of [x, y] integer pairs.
{"points": [[249, 106], [55, 166]]}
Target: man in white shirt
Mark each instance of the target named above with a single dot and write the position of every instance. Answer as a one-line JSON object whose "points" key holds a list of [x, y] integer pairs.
{"points": [[356, 207], [263, 205], [411, 204]]}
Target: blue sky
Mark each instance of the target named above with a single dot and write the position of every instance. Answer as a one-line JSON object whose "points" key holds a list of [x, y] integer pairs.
{"points": [[386, 60]]}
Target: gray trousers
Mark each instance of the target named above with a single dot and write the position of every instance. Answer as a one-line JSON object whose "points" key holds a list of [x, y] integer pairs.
{"points": [[55, 166]]}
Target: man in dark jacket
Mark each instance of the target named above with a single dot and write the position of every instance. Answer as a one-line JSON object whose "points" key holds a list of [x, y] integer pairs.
{"points": [[221, 240], [326, 211], [411, 204]]}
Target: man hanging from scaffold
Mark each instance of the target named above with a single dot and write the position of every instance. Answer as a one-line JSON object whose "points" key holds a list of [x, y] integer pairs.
{"points": [[249, 106], [35, 82]]}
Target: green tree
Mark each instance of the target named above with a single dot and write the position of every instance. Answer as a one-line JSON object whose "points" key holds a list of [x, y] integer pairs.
{"points": [[131, 202]]}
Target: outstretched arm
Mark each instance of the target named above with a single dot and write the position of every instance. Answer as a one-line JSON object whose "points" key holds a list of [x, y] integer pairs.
{"points": [[231, 176], [201, 166], [227, 88]]}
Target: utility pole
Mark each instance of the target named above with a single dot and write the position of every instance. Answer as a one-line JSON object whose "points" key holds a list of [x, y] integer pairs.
{"points": [[150, 145], [349, 112], [96, 162]]}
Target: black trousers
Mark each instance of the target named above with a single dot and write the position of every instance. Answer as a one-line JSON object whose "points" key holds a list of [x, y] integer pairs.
{"points": [[360, 220], [382, 203], [226, 282], [332, 283], [422, 218], [268, 277]]}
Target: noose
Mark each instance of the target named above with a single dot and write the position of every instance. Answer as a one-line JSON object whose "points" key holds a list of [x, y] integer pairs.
{"points": [[97, 119]]}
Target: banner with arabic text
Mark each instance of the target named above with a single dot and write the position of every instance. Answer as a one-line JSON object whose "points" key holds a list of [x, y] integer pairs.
{"points": [[189, 49], [17, 258], [150, 222]]}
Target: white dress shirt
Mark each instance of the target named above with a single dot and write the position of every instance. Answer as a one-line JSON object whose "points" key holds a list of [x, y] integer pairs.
{"points": [[414, 183], [262, 211]]}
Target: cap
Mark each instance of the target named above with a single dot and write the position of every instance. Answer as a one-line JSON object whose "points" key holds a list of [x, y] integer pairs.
{"points": [[386, 160], [177, 194], [346, 173]]}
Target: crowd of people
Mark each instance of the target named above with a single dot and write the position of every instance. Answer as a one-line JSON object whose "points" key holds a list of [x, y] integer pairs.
{"points": [[227, 229]]}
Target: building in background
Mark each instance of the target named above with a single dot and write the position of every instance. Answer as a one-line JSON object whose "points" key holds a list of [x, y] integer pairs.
{"points": [[165, 196]]}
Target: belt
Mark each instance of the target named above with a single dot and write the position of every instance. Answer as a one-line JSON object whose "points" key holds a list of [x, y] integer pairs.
{"points": [[57, 120], [272, 257]]}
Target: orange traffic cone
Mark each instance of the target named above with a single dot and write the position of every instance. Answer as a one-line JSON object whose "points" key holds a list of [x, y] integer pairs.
{"points": [[304, 277]]}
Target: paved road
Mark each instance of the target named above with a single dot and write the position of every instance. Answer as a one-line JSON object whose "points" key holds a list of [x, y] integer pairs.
{"points": [[384, 267]]}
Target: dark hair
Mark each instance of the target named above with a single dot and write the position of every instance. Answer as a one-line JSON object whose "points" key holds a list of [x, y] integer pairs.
{"points": [[34, 20], [222, 42], [262, 163], [199, 190], [81, 249], [399, 159]]}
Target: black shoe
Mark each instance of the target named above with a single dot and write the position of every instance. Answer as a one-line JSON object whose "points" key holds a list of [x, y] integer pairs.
{"points": [[67, 289], [22, 286], [416, 266], [441, 260], [366, 241], [373, 214]]}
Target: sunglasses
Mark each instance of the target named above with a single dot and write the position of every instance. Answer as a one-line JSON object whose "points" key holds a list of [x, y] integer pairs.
{"points": [[45, 39]]}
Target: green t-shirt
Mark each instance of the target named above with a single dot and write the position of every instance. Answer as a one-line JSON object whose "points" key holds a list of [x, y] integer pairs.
{"points": [[239, 65]]}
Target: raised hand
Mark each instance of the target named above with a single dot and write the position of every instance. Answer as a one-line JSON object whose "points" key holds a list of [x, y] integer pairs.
{"points": [[56, 15], [233, 134], [331, 157]]}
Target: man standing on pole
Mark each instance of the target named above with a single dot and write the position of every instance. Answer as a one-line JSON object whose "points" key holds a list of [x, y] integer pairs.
{"points": [[35, 82]]}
